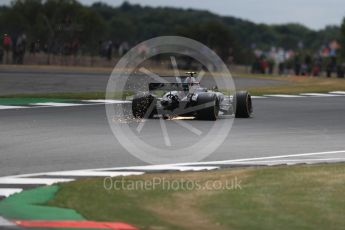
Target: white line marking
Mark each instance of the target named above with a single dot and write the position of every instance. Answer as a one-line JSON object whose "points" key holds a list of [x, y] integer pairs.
{"points": [[46, 181], [107, 101], [93, 173], [9, 191], [48, 106], [12, 107], [188, 118], [319, 95], [56, 104], [265, 158], [139, 168], [258, 97], [4, 222], [196, 166], [282, 95], [303, 160], [164, 167], [338, 92]]}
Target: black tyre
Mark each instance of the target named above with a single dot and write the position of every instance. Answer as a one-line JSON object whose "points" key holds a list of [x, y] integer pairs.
{"points": [[211, 110], [142, 103], [242, 103]]}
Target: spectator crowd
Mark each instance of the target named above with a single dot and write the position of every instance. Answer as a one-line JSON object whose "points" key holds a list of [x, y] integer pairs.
{"points": [[276, 60], [299, 62], [14, 48]]}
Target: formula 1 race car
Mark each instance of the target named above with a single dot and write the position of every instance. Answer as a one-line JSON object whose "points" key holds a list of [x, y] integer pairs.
{"points": [[188, 98]]}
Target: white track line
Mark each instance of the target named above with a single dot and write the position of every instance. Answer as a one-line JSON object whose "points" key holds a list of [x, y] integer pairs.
{"points": [[46, 181], [12, 107], [107, 101], [258, 97], [282, 161], [55, 104], [9, 191], [137, 168], [165, 167], [92, 173], [338, 92], [198, 166], [265, 158], [41, 105], [283, 95], [270, 160], [319, 95]]}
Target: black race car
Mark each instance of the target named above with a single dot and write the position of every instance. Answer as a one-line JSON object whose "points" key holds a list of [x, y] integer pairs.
{"points": [[188, 98]]}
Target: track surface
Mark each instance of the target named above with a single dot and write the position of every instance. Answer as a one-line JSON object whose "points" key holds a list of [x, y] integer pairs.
{"points": [[69, 138], [31, 81]]}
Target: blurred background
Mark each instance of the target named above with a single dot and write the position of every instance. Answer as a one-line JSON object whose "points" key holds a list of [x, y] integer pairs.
{"points": [[264, 37]]}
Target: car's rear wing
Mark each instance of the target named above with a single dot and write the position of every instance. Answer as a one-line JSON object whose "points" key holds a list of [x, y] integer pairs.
{"points": [[169, 86]]}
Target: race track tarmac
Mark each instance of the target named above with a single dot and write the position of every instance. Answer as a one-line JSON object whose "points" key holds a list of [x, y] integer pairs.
{"points": [[30, 81], [69, 138]]}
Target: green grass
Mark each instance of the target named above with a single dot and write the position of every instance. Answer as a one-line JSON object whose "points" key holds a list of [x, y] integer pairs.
{"points": [[296, 85], [284, 197], [90, 199]]}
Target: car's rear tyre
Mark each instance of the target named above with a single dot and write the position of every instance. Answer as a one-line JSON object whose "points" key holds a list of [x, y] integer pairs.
{"points": [[142, 103], [242, 102], [211, 110]]}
